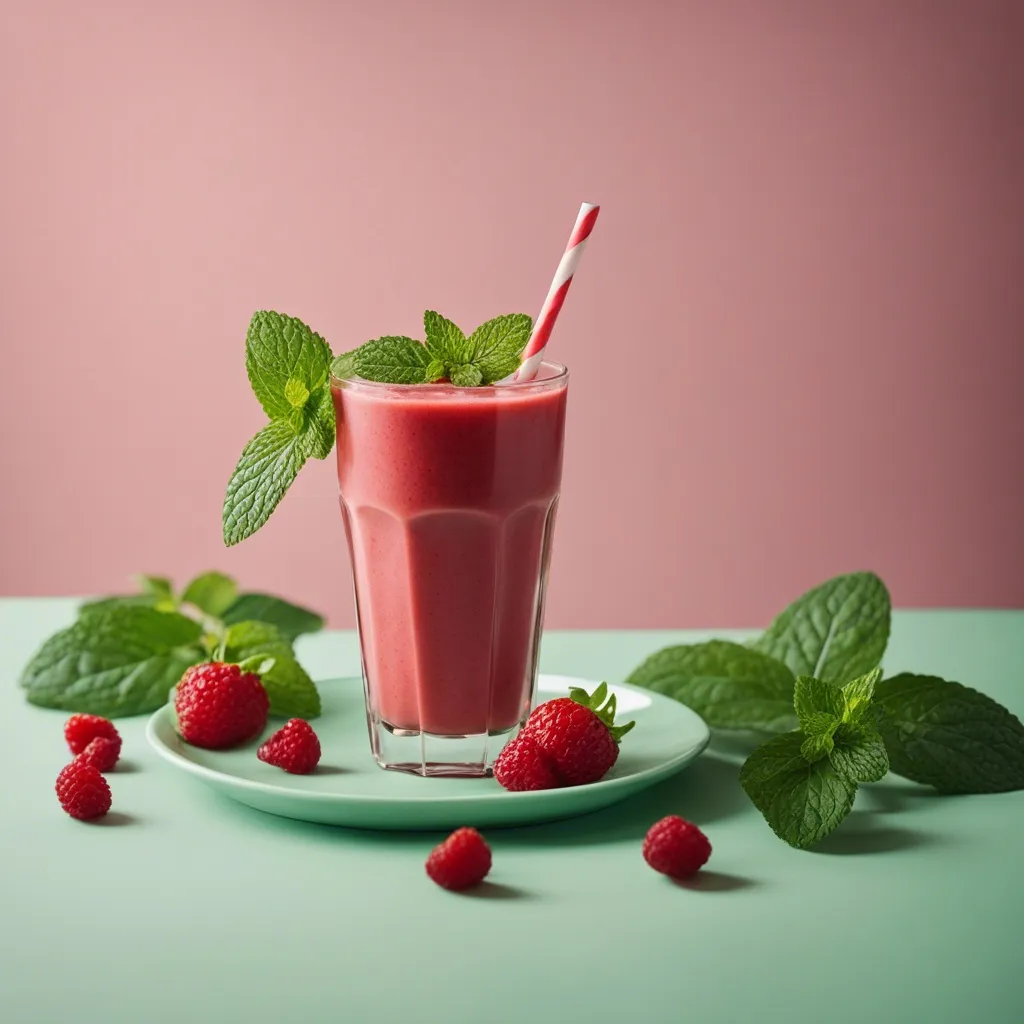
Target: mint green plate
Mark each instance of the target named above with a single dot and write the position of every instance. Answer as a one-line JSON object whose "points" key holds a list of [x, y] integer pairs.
{"points": [[348, 788]]}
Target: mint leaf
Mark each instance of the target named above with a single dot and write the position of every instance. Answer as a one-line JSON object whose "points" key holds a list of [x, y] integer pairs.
{"points": [[837, 631], [282, 353], [317, 428], [858, 696], [292, 693], [159, 587], [435, 371], [858, 753], [946, 735], [103, 604], [296, 393], [344, 366], [818, 745], [801, 802], [119, 660], [467, 376], [267, 467], [393, 360], [812, 697], [495, 347], [445, 341], [729, 685], [290, 619], [212, 592]]}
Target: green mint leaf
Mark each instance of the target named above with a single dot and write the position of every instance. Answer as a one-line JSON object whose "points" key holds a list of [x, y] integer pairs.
{"points": [[729, 685], [267, 467], [445, 341], [292, 693], [296, 393], [435, 371], [837, 631], [212, 592], [291, 620], [468, 375], [946, 735], [818, 723], [858, 695], [118, 660], [159, 587], [317, 430], [280, 349], [819, 745], [495, 347], [393, 360], [344, 366], [858, 753], [813, 697], [801, 802]]}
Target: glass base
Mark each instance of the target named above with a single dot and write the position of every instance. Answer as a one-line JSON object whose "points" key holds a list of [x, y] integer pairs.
{"points": [[428, 754]]}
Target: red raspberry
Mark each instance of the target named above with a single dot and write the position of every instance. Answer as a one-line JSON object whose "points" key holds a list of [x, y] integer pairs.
{"points": [[81, 730], [102, 753], [577, 735], [220, 706], [676, 847], [82, 791], [294, 747], [522, 765], [461, 861]]}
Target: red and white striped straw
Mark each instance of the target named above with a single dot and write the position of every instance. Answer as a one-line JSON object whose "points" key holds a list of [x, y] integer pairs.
{"points": [[533, 354]]}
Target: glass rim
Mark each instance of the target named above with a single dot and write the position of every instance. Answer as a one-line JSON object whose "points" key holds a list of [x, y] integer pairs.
{"points": [[559, 376]]}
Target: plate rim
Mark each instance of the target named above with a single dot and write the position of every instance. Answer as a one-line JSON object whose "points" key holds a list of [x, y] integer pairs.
{"points": [[159, 719]]}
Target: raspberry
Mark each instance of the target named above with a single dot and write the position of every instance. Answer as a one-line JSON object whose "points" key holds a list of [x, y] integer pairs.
{"points": [[220, 706], [82, 791], [522, 765], [578, 735], [461, 861], [676, 847], [294, 747], [102, 753], [81, 730]]}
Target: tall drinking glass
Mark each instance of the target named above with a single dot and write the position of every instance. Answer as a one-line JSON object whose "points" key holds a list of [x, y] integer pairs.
{"points": [[448, 496]]}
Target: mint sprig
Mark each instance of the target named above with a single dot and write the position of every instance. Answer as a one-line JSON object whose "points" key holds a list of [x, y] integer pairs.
{"points": [[488, 355], [852, 726], [289, 369], [124, 654]]}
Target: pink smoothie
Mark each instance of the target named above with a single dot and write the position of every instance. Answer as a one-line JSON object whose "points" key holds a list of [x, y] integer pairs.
{"points": [[449, 498]]}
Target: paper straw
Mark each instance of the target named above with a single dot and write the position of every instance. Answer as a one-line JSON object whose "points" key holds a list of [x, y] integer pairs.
{"points": [[533, 354]]}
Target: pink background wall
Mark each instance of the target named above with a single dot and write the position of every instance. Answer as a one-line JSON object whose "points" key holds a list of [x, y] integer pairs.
{"points": [[797, 339]]}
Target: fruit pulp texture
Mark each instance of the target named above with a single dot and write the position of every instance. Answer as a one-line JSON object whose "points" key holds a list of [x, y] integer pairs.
{"points": [[448, 497]]}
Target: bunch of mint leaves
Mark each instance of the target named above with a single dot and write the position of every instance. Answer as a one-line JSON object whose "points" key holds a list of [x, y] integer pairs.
{"points": [[814, 677], [290, 367], [124, 654]]}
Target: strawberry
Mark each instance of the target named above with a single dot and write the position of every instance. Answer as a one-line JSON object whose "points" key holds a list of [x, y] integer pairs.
{"points": [[577, 734], [676, 847]]}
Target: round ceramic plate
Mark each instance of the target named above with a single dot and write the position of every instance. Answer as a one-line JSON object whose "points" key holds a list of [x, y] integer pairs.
{"points": [[348, 788]]}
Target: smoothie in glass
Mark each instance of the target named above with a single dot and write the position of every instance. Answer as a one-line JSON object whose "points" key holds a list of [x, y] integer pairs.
{"points": [[448, 496]]}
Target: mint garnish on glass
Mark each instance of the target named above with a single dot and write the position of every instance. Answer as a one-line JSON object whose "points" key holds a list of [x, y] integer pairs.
{"points": [[289, 367], [814, 676]]}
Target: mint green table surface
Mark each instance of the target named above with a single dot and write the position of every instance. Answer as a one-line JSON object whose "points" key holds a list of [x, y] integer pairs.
{"points": [[188, 907]]}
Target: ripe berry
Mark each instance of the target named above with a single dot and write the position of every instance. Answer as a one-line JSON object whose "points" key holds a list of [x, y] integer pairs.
{"points": [[294, 747], [676, 847], [522, 765], [81, 730], [578, 734], [102, 753], [82, 791], [461, 861], [220, 706]]}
